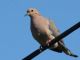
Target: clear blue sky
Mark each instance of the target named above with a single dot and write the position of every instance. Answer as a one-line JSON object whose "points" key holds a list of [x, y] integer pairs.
{"points": [[16, 40]]}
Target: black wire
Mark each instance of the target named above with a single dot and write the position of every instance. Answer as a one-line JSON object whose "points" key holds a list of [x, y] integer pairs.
{"points": [[58, 38]]}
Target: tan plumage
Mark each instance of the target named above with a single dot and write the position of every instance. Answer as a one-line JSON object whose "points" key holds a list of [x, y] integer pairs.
{"points": [[43, 30]]}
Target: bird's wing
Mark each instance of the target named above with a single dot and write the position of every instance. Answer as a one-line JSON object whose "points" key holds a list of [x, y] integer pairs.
{"points": [[54, 30]]}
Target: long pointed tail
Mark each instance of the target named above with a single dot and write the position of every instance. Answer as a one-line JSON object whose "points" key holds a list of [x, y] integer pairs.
{"points": [[67, 51]]}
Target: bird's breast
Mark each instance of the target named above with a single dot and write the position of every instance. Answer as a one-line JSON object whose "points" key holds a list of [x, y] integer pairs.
{"points": [[38, 36]]}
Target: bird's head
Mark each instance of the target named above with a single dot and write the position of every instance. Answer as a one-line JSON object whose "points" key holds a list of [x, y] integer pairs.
{"points": [[32, 12]]}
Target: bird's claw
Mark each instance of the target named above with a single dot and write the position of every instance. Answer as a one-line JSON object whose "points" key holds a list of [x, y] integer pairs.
{"points": [[40, 48]]}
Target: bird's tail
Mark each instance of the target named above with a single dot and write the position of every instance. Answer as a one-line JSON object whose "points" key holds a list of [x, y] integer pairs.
{"points": [[67, 51]]}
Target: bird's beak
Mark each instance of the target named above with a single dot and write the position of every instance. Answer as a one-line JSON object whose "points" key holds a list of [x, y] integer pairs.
{"points": [[25, 15]]}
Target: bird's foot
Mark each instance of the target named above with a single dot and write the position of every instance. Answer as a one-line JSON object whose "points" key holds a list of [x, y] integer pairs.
{"points": [[40, 48]]}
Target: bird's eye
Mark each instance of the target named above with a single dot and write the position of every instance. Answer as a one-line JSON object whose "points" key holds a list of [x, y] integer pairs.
{"points": [[31, 10]]}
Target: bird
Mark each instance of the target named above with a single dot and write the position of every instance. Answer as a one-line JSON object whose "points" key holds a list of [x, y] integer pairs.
{"points": [[44, 31]]}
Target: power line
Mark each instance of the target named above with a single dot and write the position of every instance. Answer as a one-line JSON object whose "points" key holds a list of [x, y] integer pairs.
{"points": [[58, 38]]}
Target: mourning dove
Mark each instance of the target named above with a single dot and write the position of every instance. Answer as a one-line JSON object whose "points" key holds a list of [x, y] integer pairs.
{"points": [[44, 30]]}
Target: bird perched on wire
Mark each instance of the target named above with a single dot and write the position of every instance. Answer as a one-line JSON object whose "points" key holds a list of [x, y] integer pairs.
{"points": [[44, 30]]}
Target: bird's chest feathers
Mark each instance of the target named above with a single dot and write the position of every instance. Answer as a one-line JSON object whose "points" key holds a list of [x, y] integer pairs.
{"points": [[37, 32], [38, 28], [40, 24]]}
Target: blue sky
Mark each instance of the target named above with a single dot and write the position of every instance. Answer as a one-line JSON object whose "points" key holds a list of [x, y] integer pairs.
{"points": [[16, 40]]}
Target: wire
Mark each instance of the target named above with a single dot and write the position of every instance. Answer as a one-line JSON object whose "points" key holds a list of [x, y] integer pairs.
{"points": [[58, 38]]}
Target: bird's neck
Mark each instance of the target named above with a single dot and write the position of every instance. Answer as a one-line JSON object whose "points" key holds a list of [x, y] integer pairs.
{"points": [[33, 17]]}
